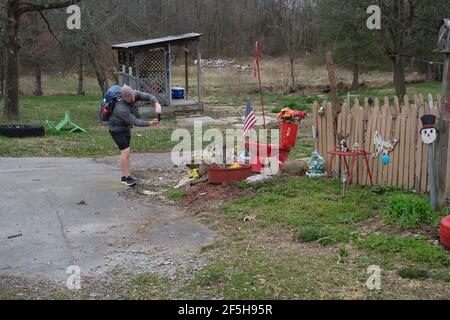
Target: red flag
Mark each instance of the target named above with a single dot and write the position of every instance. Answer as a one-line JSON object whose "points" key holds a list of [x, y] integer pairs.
{"points": [[258, 73], [257, 59], [258, 52]]}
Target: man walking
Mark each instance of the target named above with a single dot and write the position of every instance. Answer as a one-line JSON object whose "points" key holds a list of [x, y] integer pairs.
{"points": [[122, 121]]}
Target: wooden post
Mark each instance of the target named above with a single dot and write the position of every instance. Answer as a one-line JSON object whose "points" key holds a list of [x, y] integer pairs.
{"points": [[186, 71], [441, 147], [333, 84], [199, 73], [431, 176], [441, 150]]}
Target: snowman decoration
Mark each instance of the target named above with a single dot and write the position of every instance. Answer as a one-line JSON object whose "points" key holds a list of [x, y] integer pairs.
{"points": [[429, 131]]}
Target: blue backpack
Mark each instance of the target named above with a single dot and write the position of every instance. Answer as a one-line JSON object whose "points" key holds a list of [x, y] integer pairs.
{"points": [[112, 96]]}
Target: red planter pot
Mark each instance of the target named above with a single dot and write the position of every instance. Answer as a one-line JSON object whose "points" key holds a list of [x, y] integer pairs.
{"points": [[444, 232], [289, 132], [265, 151], [220, 176]]}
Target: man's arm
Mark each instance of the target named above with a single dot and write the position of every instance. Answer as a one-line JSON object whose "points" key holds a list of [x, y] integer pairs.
{"points": [[129, 118], [142, 96]]}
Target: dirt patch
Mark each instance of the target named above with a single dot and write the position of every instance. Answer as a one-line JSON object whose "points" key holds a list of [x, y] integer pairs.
{"points": [[377, 226], [206, 195]]}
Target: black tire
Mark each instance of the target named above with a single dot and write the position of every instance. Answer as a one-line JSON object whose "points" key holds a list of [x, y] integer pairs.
{"points": [[22, 131]]}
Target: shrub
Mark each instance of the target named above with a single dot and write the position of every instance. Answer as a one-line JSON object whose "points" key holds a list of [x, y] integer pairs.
{"points": [[409, 211], [314, 234]]}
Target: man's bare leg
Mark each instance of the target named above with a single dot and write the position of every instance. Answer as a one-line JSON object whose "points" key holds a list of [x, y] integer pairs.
{"points": [[125, 162]]}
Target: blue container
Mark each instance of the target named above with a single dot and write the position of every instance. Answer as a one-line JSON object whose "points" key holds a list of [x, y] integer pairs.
{"points": [[177, 93]]}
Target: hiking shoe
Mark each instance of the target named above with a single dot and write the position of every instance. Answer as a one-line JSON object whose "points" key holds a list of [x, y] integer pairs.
{"points": [[129, 181]]}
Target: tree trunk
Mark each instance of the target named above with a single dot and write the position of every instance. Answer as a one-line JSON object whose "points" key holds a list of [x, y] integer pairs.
{"points": [[11, 110], [355, 84], [399, 78], [292, 73], [80, 91], [2, 69], [38, 74], [101, 76]]}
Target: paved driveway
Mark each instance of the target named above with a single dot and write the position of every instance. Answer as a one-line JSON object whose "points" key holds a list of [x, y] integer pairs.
{"points": [[59, 212]]}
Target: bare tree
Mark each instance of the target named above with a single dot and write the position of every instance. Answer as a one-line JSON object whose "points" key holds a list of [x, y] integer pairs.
{"points": [[2, 48], [291, 24], [14, 11], [398, 26]]}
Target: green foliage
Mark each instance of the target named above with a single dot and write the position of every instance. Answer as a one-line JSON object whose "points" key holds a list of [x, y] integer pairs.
{"points": [[309, 205], [83, 110], [409, 211], [416, 250], [442, 277], [177, 195], [413, 273], [314, 234], [296, 102]]}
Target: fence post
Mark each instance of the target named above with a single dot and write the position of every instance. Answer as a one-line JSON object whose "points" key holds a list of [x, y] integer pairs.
{"points": [[441, 151], [333, 84]]}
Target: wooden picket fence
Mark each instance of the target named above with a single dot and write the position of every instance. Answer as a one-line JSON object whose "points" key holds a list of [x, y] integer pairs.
{"points": [[409, 166]]}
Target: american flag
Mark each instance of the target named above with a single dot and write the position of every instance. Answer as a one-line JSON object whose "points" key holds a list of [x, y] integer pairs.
{"points": [[250, 118]]}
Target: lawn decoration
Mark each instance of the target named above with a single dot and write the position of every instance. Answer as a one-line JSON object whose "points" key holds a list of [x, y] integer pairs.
{"points": [[322, 111], [290, 120], [356, 148], [316, 166], [343, 142], [383, 148], [67, 121], [429, 131]]}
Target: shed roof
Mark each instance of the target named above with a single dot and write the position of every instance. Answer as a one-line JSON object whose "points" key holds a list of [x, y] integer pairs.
{"points": [[159, 41]]}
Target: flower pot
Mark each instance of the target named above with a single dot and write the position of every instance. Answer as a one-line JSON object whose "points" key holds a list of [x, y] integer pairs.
{"points": [[265, 151], [444, 232], [221, 175], [289, 133]]}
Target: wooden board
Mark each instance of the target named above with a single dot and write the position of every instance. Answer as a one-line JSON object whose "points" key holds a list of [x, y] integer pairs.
{"points": [[418, 157], [315, 109], [413, 133]]}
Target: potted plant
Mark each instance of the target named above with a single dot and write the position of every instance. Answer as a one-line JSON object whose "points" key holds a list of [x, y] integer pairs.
{"points": [[290, 120], [219, 172]]}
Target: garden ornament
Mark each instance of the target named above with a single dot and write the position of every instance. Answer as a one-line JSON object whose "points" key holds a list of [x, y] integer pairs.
{"points": [[383, 148], [429, 131], [316, 166], [343, 142]]}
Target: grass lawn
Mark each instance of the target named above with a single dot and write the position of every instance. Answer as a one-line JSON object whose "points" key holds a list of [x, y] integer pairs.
{"points": [[290, 238], [304, 241], [83, 109]]}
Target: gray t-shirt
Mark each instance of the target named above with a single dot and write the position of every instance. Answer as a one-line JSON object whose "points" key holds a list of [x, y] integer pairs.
{"points": [[123, 118]]}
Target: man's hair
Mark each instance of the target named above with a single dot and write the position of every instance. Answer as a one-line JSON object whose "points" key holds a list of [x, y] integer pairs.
{"points": [[127, 91]]}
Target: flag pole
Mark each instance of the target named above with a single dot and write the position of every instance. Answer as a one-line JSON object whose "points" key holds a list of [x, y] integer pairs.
{"points": [[258, 56]]}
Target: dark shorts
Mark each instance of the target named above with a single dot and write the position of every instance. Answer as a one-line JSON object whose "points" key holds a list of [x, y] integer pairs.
{"points": [[121, 138]]}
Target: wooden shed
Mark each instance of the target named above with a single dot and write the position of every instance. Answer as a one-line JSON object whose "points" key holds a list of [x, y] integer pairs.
{"points": [[147, 66]]}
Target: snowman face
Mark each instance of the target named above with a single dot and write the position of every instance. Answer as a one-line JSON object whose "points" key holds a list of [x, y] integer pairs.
{"points": [[429, 135]]}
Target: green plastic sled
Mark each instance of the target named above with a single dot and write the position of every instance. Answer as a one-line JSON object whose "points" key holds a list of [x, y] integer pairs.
{"points": [[65, 122]]}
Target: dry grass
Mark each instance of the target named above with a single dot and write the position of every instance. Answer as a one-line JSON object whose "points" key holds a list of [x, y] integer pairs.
{"points": [[276, 74]]}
